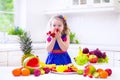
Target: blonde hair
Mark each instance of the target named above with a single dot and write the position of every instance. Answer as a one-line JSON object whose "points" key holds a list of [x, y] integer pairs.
{"points": [[66, 30]]}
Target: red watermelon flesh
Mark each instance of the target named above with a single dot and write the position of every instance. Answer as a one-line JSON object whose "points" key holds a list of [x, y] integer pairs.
{"points": [[34, 62]]}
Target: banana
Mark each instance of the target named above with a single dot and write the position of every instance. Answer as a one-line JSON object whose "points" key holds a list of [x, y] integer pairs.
{"points": [[80, 53]]}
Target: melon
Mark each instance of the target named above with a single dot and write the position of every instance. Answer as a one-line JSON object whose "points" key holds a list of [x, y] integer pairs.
{"points": [[32, 63]]}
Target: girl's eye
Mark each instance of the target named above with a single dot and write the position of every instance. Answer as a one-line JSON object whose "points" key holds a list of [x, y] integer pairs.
{"points": [[54, 25], [59, 25]]}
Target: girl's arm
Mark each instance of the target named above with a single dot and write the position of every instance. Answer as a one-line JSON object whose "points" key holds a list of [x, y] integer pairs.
{"points": [[63, 44], [50, 45]]}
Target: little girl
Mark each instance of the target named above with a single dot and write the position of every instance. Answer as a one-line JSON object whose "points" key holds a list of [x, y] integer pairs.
{"points": [[58, 41]]}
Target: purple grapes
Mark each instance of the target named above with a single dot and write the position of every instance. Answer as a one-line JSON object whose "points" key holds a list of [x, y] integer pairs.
{"points": [[99, 54], [104, 55]]}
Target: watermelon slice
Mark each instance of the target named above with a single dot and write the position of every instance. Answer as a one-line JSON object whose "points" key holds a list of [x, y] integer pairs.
{"points": [[31, 63]]}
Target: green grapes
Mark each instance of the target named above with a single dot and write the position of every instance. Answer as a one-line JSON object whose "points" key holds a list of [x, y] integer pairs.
{"points": [[81, 60]]}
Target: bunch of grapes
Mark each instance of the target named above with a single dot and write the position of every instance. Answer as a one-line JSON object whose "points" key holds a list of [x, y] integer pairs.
{"points": [[81, 60], [102, 57]]}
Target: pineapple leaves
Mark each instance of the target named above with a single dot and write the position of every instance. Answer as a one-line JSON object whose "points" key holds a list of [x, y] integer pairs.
{"points": [[25, 42]]}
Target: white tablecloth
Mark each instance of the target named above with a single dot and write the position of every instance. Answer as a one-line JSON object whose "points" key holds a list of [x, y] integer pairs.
{"points": [[6, 74]]}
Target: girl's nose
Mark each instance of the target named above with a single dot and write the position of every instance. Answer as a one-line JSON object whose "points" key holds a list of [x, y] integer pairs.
{"points": [[56, 27]]}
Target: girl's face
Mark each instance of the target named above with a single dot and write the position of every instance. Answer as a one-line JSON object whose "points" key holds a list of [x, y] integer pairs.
{"points": [[57, 24]]}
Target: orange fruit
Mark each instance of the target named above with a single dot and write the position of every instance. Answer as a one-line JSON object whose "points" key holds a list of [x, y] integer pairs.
{"points": [[103, 74], [99, 70], [16, 72], [25, 71]]}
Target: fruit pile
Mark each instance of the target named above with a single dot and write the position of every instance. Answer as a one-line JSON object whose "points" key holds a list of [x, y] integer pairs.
{"points": [[90, 71], [26, 72], [43, 69], [31, 65], [95, 56]]}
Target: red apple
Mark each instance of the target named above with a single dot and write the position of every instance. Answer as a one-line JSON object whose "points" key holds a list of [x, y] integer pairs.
{"points": [[93, 58], [109, 71]]}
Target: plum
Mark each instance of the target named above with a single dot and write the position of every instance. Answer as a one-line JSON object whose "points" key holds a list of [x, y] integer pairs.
{"points": [[85, 50], [37, 72]]}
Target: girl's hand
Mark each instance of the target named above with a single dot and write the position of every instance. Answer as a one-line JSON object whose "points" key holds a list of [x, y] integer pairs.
{"points": [[57, 35]]}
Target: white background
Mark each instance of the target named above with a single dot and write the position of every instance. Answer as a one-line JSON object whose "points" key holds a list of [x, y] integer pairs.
{"points": [[102, 28]]}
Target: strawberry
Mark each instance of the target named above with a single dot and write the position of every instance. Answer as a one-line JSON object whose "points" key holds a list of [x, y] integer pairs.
{"points": [[57, 30], [90, 76], [48, 33], [52, 34]]}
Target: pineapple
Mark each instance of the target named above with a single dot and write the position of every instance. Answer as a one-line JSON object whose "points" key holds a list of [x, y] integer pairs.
{"points": [[25, 45]]}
